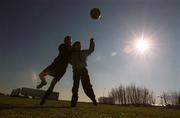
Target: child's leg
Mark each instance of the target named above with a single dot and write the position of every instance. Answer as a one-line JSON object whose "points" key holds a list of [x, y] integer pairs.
{"points": [[87, 86], [51, 87], [49, 91], [42, 75], [76, 79]]}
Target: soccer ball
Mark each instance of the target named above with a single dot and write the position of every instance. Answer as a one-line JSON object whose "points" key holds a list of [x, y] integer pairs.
{"points": [[95, 13]]}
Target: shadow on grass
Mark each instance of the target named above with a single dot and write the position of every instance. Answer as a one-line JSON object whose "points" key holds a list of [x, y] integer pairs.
{"points": [[30, 107]]}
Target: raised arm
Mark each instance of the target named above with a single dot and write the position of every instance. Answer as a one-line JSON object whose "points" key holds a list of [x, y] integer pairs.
{"points": [[87, 52]]}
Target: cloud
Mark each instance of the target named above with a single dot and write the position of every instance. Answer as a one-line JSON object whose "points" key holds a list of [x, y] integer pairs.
{"points": [[113, 54]]}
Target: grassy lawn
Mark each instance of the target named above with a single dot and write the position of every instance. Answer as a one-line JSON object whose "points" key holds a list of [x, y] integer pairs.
{"points": [[11, 107]]}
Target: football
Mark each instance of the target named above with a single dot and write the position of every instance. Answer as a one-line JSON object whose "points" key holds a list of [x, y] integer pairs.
{"points": [[95, 13]]}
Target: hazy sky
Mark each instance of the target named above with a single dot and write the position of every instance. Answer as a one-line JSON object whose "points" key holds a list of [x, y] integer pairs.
{"points": [[31, 30]]}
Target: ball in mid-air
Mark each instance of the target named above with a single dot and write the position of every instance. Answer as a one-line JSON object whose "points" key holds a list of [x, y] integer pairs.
{"points": [[95, 13]]}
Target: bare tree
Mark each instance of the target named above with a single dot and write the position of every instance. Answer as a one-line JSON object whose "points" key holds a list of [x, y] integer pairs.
{"points": [[132, 95], [171, 98]]}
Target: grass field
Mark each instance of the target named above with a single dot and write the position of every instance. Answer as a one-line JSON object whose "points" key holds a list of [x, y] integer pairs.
{"points": [[11, 107]]}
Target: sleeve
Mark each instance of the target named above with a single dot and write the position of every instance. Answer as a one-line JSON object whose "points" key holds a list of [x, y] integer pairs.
{"points": [[87, 52], [62, 50], [61, 47]]}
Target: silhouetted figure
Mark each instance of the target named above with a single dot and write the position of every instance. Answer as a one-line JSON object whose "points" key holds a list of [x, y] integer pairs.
{"points": [[78, 61], [57, 69]]}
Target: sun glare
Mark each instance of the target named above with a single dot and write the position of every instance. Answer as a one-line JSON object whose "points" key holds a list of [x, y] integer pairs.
{"points": [[142, 46]]}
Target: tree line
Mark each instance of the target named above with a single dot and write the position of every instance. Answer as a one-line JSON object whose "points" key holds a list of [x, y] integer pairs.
{"points": [[135, 95], [170, 98]]}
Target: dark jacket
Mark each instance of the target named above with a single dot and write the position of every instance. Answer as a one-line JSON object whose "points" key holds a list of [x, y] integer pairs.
{"points": [[79, 58], [62, 60]]}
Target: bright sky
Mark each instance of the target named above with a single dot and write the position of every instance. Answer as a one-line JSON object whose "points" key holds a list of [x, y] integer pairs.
{"points": [[30, 32]]}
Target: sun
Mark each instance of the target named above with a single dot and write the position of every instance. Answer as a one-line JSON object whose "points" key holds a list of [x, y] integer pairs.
{"points": [[142, 46]]}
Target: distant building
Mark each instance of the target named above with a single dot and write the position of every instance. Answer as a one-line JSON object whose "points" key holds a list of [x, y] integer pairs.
{"points": [[33, 93], [1, 94]]}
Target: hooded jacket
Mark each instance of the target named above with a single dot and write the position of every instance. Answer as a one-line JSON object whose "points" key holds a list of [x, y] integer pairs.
{"points": [[79, 58]]}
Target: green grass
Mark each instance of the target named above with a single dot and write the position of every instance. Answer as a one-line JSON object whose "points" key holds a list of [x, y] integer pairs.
{"points": [[11, 107]]}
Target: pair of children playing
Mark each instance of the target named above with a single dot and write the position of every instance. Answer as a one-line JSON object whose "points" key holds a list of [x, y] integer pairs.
{"points": [[78, 59]]}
